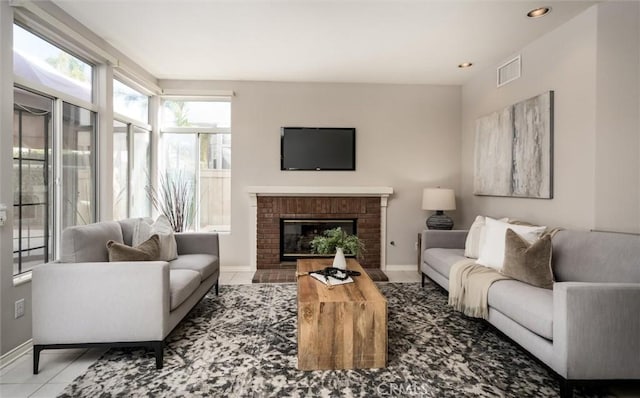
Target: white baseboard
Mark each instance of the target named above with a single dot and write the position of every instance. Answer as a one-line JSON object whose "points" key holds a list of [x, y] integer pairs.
{"points": [[401, 267], [16, 353], [231, 268]]}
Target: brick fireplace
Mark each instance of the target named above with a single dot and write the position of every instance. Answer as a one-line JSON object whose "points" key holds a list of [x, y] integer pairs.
{"points": [[366, 205], [296, 234], [366, 212]]}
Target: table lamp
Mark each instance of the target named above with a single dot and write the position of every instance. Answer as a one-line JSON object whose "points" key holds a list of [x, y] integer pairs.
{"points": [[439, 199]]}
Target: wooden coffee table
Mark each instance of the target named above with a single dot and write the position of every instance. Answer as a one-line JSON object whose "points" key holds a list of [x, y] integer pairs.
{"points": [[340, 328]]}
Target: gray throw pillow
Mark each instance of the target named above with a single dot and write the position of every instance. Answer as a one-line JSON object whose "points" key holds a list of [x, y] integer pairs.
{"points": [[528, 262], [148, 250]]}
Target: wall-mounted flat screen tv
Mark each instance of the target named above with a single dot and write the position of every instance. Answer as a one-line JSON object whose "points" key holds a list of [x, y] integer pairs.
{"points": [[317, 148]]}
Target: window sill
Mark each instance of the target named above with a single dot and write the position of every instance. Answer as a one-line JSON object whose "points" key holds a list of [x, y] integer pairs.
{"points": [[22, 279]]}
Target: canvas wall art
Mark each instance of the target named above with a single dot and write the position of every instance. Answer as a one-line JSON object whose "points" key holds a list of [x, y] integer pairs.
{"points": [[514, 150]]}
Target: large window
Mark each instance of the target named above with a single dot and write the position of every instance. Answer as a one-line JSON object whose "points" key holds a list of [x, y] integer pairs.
{"points": [[32, 127], [205, 114], [54, 139], [130, 102], [131, 152], [140, 205], [196, 142], [78, 166], [42, 63], [215, 182], [120, 171]]}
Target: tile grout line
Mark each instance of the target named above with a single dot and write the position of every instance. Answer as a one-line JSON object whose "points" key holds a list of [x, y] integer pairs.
{"points": [[56, 374]]}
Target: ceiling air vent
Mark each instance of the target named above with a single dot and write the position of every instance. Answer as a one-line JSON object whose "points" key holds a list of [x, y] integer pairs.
{"points": [[509, 71]]}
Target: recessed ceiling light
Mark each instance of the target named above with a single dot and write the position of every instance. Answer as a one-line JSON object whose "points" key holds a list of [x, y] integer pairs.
{"points": [[465, 65], [538, 12]]}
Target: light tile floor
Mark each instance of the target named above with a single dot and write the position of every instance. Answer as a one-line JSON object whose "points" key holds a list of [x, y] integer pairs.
{"points": [[60, 367]]}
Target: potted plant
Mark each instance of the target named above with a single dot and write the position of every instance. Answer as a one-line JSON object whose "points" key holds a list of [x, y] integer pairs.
{"points": [[339, 242], [174, 199]]}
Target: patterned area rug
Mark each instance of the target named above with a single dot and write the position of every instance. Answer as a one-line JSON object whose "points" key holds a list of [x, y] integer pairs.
{"points": [[243, 344]]}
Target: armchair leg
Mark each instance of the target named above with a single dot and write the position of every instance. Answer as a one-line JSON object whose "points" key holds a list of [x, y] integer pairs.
{"points": [[423, 277], [36, 358], [217, 283], [158, 349]]}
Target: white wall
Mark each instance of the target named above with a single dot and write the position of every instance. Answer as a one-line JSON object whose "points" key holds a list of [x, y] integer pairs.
{"points": [[591, 62], [407, 137], [617, 118], [8, 293]]}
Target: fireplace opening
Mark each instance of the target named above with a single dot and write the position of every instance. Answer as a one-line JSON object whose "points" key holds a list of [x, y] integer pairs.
{"points": [[296, 235]]}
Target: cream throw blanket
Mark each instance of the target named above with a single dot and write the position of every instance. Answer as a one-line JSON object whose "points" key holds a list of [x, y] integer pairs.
{"points": [[469, 287]]}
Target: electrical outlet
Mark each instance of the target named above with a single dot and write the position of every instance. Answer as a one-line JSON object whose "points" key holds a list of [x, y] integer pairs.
{"points": [[415, 245], [19, 308], [3, 214]]}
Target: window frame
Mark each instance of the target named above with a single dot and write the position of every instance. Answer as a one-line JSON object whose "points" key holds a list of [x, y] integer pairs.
{"points": [[63, 45], [193, 98], [39, 22], [131, 124], [136, 87], [57, 165], [47, 164], [57, 117], [197, 131]]}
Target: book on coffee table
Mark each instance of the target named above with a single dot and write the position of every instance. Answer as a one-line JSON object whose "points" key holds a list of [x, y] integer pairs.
{"points": [[329, 280]]}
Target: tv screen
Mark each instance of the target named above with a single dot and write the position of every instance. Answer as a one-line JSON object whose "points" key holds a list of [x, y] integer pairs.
{"points": [[307, 148]]}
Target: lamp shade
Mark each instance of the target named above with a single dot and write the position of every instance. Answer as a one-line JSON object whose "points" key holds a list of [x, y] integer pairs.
{"points": [[438, 199]]}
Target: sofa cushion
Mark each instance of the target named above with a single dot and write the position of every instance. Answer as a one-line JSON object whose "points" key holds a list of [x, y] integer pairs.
{"points": [[492, 245], [529, 306], [583, 256], [204, 264], [442, 259], [148, 250], [128, 225], [472, 243], [528, 262], [162, 227], [476, 236], [87, 243], [182, 283]]}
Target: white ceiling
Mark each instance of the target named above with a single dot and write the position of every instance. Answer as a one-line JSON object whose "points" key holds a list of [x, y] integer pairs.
{"points": [[318, 41]]}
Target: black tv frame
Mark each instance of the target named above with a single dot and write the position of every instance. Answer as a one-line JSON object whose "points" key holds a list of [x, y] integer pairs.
{"points": [[353, 154]]}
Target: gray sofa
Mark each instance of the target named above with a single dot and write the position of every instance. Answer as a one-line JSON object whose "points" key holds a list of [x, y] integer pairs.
{"points": [[85, 301], [588, 327]]}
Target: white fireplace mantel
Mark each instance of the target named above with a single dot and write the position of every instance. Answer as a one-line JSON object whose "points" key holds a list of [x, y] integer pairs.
{"points": [[319, 191], [339, 191]]}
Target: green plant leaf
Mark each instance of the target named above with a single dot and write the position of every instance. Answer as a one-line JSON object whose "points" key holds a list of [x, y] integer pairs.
{"points": [[337, 237]]}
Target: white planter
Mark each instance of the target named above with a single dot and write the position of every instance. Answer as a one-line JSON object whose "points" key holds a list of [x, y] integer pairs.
{"points": [[339, 261]]}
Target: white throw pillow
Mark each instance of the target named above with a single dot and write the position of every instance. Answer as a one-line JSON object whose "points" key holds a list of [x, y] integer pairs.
{"points": [[475, 237], [168, 246], [492, 246]]}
